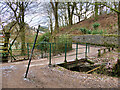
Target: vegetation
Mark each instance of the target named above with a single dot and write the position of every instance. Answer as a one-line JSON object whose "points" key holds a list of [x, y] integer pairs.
{"points": [[58, 46], [63, 40], [86, 31], [44, 38], [96, 25]]}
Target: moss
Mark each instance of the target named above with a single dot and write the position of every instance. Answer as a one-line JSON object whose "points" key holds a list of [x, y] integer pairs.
{"points": [[110, 35], [60, 69], [89, 61], [106, 45]]}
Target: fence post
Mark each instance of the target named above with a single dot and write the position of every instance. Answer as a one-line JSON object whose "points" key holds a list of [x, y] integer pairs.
{"points": [[104, 51], [88, 48], [112, 48], [11, 51], [32, 52], [50, 55], [76, 51], [99, 53], [53, 49], [28, 50], [86, 52], [65, 52], [109, 49]]}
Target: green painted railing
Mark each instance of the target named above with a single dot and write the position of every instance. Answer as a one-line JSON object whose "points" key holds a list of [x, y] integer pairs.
{"points": [[52, 50], [65, 55]]}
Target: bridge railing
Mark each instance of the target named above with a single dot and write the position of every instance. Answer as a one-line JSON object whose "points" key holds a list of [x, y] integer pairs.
{"points": [[53, 52], [77, 51]]}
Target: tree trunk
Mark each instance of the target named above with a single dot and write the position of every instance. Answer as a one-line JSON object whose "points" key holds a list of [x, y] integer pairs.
{"points": [[86, 9], [70, 14], [55, 10], [79, 18], [22, 40], [68, 5], [51, 25], [62, 21], [118, 63], [66, 21], [56, 17], [96, 11], [100, 9], [22, 28]]}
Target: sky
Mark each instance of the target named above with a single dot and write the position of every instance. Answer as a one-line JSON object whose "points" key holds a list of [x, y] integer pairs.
{"points": [[32, 19]]}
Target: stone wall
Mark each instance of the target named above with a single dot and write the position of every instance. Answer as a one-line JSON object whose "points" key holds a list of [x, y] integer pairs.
{"points": [[97, 39]]}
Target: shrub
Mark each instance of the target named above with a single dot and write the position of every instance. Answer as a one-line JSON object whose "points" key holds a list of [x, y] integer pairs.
{"points": [[83, 30], [61, 41], [98, 32], [88, 32], [95, 32], [96, 25], [56, 47], [42, 42], [44, 38]]}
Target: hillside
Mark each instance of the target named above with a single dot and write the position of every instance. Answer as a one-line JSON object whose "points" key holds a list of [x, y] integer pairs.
{"points": [[108, 23]]}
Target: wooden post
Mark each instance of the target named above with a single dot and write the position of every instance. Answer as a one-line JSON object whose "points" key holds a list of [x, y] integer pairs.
{"points": [[109, 49], [104, 51], [86, 52], [99, 53], [76, 51], [112, 48]]}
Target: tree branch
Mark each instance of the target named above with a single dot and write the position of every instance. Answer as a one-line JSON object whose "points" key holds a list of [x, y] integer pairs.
{"points": [[107, 7]]}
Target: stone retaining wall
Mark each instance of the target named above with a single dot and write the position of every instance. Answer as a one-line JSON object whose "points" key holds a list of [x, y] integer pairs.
{"points": [[97, 39]]}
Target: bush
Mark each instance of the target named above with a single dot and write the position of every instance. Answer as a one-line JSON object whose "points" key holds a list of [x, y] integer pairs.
{"points": [[98, 32], [44, 38], [42, 42], [96, 25], [61, 41], [83, 30], [56, 47], [86, 31]]}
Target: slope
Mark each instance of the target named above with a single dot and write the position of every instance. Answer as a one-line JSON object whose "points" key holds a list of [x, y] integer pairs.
{"points": [[108, 23]]}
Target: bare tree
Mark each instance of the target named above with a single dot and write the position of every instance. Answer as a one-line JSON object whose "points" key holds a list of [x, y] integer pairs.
{"points": [[55, 11], [71, 7], [16, 11]]}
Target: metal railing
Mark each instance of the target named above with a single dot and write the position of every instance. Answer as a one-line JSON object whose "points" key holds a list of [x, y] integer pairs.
{"points": [[53, 51], [66, 53]]}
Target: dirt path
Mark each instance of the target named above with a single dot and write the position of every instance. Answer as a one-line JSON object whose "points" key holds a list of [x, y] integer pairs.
{"points": [[42, 76], [54, 77]]}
